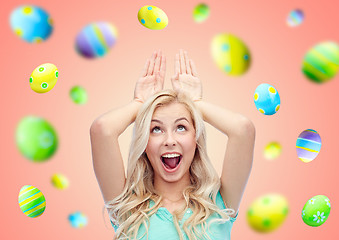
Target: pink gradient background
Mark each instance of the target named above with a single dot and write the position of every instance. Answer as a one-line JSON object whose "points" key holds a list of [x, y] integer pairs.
{"points": [[277, 52]]}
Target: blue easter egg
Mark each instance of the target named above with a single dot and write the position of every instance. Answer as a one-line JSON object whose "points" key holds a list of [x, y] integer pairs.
{"points": [[78, 219], [266, 99], [31, 23], [308, 145]]}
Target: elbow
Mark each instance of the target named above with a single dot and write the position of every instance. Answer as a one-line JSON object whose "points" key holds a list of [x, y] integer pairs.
{"points": [[246, 127]]}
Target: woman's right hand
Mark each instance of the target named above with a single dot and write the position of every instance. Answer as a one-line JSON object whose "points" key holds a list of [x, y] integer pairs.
{"points": [[152, 78]]}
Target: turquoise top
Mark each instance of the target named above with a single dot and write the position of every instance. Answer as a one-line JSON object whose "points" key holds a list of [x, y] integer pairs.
{"points": [[162, 226]]}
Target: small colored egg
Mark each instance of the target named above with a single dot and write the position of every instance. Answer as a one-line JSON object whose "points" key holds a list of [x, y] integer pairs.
{"points": [[308, 145], [201, 12], [60, 181], [78, 94], [272, 150], [44, 78], [31, 23], [31, 201], [230, 54], [321, 62], [267, 213], [36, 139], [78, 220], [266, 99], [152, 17], [316, 211], [295, 18], [96, 39]]}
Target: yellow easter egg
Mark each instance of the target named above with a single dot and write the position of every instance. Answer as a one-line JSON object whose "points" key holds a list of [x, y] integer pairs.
{"points": [[267, 213], [230, 54], [44, 78], [60, 181], [31, 201], [152, 17], [272, 150]]}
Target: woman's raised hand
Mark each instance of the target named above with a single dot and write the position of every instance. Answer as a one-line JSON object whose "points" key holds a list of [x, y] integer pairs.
{"points": [[186, 77], [152, 78]]}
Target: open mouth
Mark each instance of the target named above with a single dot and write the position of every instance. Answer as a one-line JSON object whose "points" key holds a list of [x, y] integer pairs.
{"points": [[171, 163]]}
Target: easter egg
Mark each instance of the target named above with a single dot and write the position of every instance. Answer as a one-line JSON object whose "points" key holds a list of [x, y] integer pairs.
{"points": [[96, 39], [308, 145], [36, 139], [316, 211], [230, 54], [31, 23], [321, 62], [60, 181], [77, 220], [44, 78], [267, 213], [78, 94], [295, 18], [266, 99], [272, 150], [31, 201], [201, 13], [152, 17]]}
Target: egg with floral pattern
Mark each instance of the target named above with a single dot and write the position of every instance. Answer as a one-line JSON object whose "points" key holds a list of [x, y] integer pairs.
{"points": [[316, 211]]}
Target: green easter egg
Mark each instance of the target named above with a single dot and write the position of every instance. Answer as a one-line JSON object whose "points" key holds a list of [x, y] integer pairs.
{"points": [[78, 94], [31, 201], [36, 139], [316, 211], [201, 12]]}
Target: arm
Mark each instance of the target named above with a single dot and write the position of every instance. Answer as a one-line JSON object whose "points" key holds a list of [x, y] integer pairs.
{"points": [[104, 132], [239, 130]]}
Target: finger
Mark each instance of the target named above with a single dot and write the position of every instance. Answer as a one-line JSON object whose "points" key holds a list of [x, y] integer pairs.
{"points": [[151, 65], [177, 64], [162, 70], [182, 62], [157, 63], [144, 71], [175, 82], [193, 68], [187, 64]]}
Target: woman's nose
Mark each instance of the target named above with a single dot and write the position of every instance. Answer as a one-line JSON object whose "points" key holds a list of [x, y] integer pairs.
{"points": [[170, 139]]}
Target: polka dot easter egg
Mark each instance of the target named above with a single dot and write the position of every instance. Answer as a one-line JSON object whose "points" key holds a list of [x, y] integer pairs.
{"points": [[78, 220], [230, 54], [60, 181], [152, 17], [201, 13], [78, 94], [96, 39], [36, 139], [272, 150], [321, 63], [31, 201], [267, 99], [295, 18], [308, 145], [44, 78], [267, 213], [31, 23], [316, 211]]}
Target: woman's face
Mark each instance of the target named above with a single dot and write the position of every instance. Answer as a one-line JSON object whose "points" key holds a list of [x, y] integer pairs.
{"points": [[171, 145]]}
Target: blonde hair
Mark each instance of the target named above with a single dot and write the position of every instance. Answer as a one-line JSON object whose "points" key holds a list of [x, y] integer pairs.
{"points": [[131, 208]]}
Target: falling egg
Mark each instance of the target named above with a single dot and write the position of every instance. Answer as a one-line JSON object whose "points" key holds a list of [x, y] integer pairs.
{"points": [[321, 62], [267, 213], [230, 54], [316, 211], [31, 201], [201, 12], [44, 78], [78, 94], [266, 99], [308, 145], [272, 150], [36, 139], [78, 219], [59, 181], [152, 17], [295, 18]]}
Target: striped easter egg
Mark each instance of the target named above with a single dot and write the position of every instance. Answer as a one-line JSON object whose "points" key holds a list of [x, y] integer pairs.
{"points": [[321, 63], [96, 39], [31, 201], [308, 145]]}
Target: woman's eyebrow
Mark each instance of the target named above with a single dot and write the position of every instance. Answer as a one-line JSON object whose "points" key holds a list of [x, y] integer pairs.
{"points": [[179, 119]]}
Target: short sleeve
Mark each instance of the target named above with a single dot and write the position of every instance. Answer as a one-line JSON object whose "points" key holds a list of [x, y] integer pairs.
{"points": [[114, 226], [221, 205]]}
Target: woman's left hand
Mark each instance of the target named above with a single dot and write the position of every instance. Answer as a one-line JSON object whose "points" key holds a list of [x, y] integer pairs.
{"points": [[186, 77]]}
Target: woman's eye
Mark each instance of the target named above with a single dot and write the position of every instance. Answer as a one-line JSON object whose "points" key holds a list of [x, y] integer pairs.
{"points": [[181, 128], [156, 129]]}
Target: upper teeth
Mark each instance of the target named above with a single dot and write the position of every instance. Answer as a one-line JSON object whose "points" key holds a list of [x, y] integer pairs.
{"points": [[171, 155]]}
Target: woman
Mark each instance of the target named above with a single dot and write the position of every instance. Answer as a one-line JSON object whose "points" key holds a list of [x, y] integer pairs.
{"points": [[172, 190]]}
